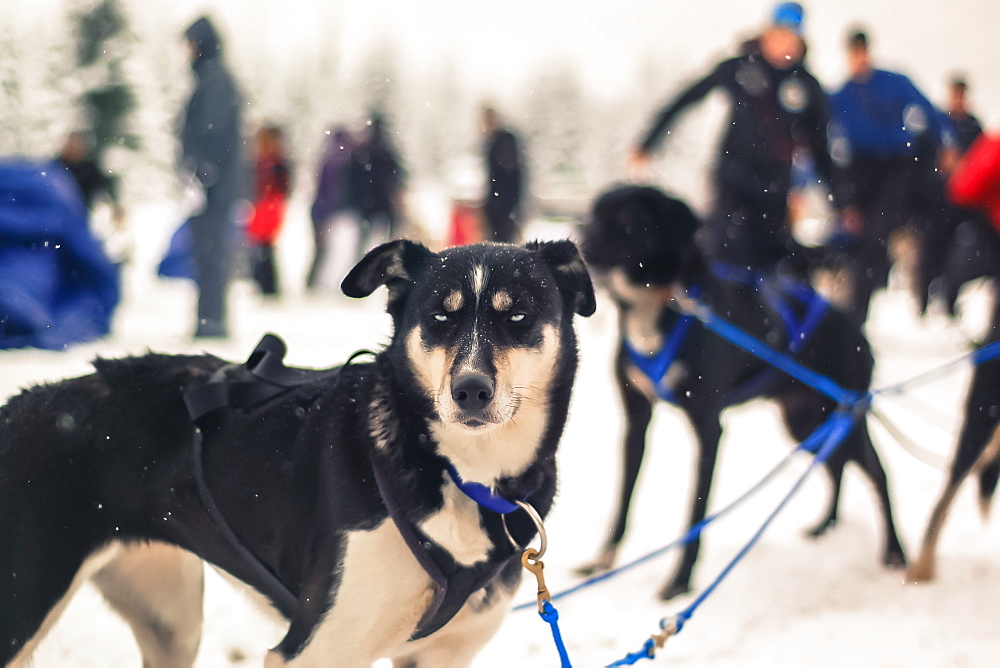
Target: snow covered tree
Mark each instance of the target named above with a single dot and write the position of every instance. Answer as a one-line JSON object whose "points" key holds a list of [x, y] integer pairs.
{"points": [[107, 98]]}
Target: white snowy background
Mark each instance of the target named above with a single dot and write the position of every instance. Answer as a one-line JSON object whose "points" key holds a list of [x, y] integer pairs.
{"points": [[793, 601]]}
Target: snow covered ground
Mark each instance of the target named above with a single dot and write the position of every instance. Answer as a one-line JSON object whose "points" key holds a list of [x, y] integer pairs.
{"points": [[791, 602]]}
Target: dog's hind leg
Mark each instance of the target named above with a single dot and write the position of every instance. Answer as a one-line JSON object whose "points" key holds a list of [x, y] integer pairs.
{"points": [[708, 431], [35, 600], [157, 588], [638, 412], [859, 447], [977, 445]]}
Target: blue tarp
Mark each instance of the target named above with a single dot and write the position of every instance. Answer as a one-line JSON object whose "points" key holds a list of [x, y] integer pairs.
{"points": [[57, 287]]}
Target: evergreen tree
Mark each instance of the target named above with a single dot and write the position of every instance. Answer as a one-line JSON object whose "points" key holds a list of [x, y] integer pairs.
{"points": [[102, 47]]}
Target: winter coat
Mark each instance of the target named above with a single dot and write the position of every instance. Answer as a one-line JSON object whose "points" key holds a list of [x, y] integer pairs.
{"points": [[885, 116], [504, 172], [333, 187], [272, 187], [975, 181], [211, 135], [771, 113], [376, 178]]}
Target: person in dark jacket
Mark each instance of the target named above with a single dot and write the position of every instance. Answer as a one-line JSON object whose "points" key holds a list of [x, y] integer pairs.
{"points": [[377, 179], [332, 205], [775, 107], [212, 149], [887, 136], [504, 180], [76, 155], [956, 243], [966, 126]]}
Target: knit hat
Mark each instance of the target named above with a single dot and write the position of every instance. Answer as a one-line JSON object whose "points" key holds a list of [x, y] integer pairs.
{"points": [[788, 15]]}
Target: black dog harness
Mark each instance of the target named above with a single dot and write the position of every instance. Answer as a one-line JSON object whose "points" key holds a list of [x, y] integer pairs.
{"points": [[265, 377]]}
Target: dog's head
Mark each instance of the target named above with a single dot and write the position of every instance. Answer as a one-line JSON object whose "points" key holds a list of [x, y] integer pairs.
{"points": [[484, 331], [641, 234]]}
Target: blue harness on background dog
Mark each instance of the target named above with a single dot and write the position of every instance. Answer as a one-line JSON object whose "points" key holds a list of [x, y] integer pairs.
{"points": [[778, 293]]}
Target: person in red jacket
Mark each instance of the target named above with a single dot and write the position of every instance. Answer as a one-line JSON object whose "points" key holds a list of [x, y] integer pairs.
{"points": [[272, 185], [975, 181]]}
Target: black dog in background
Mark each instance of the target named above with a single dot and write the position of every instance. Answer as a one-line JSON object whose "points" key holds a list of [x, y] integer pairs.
{"points": [[978, 452], [640, 244]]}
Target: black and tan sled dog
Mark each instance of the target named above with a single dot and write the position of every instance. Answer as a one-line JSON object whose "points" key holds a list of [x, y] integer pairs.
{"points": [[372, 504], [641, 244]]}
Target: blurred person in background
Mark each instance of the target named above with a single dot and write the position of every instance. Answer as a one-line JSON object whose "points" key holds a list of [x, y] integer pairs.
{"points": [[887, 138], [504, 188], [211, 141], [272, 184], [966, 126], [333, 210], [957, 244], [377, 181], [95, 183], [776, 106]]}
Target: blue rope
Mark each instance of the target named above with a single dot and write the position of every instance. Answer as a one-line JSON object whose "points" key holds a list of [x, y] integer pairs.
{"points": [[551, 617], [741, 339], [691, 534], [647, 651], [823, 442], [836, 429]]}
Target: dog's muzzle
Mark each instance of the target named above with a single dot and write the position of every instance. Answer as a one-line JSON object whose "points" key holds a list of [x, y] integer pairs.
{"points": [[473, 393]]}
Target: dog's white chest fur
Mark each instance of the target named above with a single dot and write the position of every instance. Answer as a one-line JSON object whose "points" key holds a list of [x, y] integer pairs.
{"points": [[457, 527], [382, 595]]}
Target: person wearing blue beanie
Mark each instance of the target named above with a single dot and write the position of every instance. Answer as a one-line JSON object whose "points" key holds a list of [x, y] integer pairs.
{"points": [[776, 106]]}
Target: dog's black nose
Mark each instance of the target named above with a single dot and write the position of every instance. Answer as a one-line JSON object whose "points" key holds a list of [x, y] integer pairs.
{"points": [[472, 391]]}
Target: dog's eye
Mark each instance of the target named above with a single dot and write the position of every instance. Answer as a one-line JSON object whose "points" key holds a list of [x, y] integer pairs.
{"points": [[440, 317], [517, 317]]}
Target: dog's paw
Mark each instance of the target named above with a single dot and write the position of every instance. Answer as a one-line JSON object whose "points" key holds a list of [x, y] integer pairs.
{"points": [[673, 589], [894, 559], [604, 562], [821, 528], [919, 572]]}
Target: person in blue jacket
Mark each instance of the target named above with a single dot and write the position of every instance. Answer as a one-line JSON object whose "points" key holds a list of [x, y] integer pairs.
{"points": [[885, 136], [212, 149], [776, 106]]}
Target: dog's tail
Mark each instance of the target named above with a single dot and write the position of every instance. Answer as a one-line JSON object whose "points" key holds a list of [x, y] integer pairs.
{"points": [[988, 470]]}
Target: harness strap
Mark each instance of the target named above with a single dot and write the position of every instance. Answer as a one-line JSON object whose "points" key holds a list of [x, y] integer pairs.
{"points": [[798, 331], [656, 366], [453, 582], [271, 585], [269, 377]]}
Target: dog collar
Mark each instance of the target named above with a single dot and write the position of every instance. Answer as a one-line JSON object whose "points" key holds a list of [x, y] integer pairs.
{"points": [[480, 493]]}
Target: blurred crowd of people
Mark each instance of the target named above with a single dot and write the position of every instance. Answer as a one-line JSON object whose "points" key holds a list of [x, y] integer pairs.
{"points": [[884, 154], [878, 147]]}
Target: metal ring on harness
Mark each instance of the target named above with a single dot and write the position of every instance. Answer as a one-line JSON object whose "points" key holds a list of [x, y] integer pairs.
{"points": [[537, 519]]}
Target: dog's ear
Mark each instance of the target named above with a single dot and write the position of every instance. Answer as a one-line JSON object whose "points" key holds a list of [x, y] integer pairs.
{"points": [[388, 264], [571, 273]]}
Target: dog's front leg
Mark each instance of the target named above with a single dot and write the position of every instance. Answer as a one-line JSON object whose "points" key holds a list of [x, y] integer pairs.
{"points": [[708, 431], [638, 413]]}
